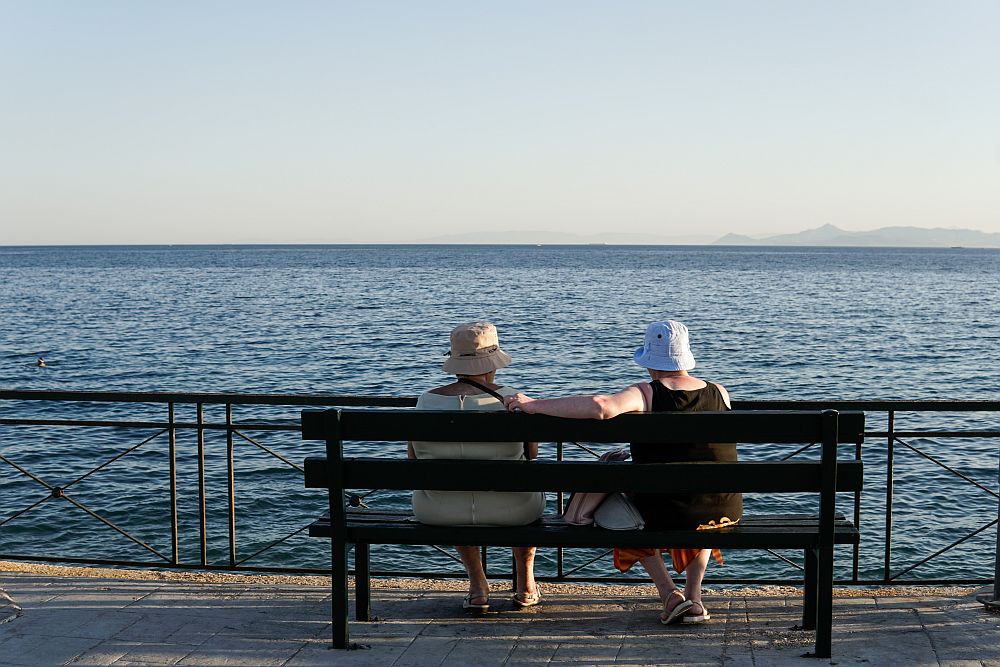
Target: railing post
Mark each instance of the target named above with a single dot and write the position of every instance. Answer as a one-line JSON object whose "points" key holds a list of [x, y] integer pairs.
{"points": [[172, 455], [201, 485], [338, 531], [560, 507], [996, 562], [855, 565], [992, 598], [890, 447], [231, 489], [827, 511]]}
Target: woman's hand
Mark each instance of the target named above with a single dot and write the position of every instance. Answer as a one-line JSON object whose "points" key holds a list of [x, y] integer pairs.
{"points": [[518, 403]]}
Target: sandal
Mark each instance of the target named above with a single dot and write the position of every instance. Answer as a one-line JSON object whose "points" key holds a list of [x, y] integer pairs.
{"points": [[522, 600], [469, 605], [695, 617], [675, 614]]}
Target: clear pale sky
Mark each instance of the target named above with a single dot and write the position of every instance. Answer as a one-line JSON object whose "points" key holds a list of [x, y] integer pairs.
{"points": [[288, 122]]}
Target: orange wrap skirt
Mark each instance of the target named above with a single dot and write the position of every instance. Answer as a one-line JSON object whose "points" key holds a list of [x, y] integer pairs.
{"points": [[625, 558]]}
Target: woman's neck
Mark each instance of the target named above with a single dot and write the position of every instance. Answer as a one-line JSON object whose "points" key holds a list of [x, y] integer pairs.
{"points": [[483, 378], [660, 375]]}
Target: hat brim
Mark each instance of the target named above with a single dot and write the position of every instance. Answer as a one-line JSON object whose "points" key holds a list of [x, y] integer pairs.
{"points": [[476, 365], [659, 362]]}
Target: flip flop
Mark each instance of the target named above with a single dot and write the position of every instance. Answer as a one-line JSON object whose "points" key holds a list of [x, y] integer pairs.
{"points": [[696, 617], [522, 600], [469, 605], [677, 612]]}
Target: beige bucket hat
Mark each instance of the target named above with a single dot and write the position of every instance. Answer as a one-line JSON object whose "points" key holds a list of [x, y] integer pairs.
{"points": [[475, 349]]}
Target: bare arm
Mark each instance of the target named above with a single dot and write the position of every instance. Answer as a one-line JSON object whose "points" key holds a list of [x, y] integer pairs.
{"points": [[600, 406], [531, 450], [410, 454], [725, 396]]}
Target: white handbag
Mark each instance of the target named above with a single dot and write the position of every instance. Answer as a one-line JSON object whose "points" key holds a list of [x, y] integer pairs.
{"points": [[618, 512]]}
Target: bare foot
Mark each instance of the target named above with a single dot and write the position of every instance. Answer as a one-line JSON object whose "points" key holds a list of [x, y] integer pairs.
{"points": [[674, 607], [697, 613], [476, 601]]}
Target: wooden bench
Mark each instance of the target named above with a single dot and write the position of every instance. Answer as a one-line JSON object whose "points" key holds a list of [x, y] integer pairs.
{"points": [[815, 535]]}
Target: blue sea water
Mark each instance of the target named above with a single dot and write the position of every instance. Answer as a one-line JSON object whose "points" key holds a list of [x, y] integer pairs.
{"points": [[768, 323]]}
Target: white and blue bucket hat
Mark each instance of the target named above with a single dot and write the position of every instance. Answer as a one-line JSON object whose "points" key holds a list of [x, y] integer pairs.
{"points": [[666, 347]]}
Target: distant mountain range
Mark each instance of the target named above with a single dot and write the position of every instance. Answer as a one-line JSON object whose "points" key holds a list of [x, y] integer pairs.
{"points": [[828, 235]]}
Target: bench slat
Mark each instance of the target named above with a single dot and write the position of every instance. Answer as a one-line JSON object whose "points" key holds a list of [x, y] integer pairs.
{"points": [[454, 475], [359, 515], [801, 533], [733, 426]]}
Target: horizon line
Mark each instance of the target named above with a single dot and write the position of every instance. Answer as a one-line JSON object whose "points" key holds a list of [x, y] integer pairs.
{"points": [[486, 244]]}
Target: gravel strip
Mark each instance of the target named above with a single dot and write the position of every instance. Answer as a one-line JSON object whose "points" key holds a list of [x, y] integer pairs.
{"points": [[622, 590]]}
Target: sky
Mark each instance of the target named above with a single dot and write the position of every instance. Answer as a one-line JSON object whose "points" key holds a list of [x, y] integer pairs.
{"points": [[340, 122]]}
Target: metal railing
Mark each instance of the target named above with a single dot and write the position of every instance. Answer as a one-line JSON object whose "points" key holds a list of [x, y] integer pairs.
{"points": [[239, 432]]}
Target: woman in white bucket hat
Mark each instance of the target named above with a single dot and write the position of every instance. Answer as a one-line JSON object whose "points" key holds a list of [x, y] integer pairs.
{"points": [[666, 355], [474, 359]]}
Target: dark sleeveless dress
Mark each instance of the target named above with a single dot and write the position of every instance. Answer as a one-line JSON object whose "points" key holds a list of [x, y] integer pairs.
{"points": [[686, 511]]}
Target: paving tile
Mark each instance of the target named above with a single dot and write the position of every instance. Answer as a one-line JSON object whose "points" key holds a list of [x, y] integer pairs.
{"points": [[478, 652], [741, 658], [269, 628], [423, 651], [194, 632], [154, 628], [38, 650], [105, 653], [532, 652], [103, 625], [953, 641], [588, 651], [252, 652], [151, 653], [56, 622]]}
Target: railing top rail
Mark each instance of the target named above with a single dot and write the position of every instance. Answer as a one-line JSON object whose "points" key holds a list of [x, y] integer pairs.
{"points": [[204, 397], [410, 401], [872, 406]]}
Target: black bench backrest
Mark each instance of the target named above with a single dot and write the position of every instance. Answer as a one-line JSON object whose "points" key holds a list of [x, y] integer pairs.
{"points": [[827, 428], [734, 426]]}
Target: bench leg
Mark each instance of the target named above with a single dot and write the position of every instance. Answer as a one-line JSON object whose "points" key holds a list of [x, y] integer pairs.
{"points": [[362, 583], [338, 603], [824, 604], [809, 594]]}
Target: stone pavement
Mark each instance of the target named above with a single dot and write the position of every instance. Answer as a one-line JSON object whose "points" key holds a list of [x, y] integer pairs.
{"points": [[109, 620]]}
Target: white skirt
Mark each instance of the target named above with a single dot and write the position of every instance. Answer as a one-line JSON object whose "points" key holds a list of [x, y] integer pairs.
{"points": [[478, 508]]}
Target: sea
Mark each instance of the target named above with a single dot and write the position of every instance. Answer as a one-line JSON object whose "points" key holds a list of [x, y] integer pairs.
{"points": [[769, 323]]}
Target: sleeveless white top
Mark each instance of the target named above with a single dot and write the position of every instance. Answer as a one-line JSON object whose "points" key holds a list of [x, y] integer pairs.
{"points": [[473, 508]]}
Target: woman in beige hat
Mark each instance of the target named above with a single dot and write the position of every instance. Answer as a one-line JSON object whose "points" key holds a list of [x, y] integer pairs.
{"points": [[666, 355], [474, 359]]}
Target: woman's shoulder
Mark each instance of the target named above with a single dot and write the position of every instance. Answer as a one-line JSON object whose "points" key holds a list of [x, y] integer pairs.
{"points": [[433, 399], [722, 392]]}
